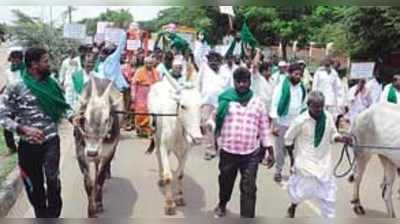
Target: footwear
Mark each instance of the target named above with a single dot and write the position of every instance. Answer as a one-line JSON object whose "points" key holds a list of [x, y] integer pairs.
{"points": [[278, 177], [219, 212], [291, 211]]}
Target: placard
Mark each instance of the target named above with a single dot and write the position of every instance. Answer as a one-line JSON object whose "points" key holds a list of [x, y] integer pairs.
{"points": [[101, 27], [362, 70], [99, 37], [227, 10], [132, 45], [88, 40], [75, 31], [113, 35]]}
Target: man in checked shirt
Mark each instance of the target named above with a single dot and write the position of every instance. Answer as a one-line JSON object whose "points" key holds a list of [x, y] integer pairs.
{"points": [[242, 134]]}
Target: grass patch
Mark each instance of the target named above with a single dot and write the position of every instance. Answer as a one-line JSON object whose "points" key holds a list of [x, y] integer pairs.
{"points": [[7, 167]]}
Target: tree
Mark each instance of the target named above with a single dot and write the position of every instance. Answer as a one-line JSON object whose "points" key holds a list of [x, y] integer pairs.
{"points": [[121, 18], [33, 32]]}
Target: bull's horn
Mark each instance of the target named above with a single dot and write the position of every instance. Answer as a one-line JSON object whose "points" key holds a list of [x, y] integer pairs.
{"points": [[94, 87], [108, 90]]}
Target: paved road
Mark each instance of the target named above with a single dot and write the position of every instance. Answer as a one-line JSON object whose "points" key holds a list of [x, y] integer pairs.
{"points": [[132, 192]]}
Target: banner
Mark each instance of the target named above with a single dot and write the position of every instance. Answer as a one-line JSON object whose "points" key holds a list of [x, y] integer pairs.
{"points": [[113, 35], [74, 31], [227, 10], [101, 27], [362, 70], [132, 45]]}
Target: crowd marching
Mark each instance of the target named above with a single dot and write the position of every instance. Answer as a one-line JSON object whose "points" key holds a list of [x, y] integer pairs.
{"points": [[254, 110]]}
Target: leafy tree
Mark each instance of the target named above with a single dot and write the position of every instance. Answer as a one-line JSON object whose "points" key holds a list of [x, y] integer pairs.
{"points": [[33, 32], [121, 18]]}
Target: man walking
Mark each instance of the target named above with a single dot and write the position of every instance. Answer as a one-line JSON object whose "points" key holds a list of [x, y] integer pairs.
{"points": [[37, 104], [240, 147]]}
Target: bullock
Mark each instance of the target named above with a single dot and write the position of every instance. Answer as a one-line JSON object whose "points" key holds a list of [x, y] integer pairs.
{"points": [[96, 134], [174, 134], [378, 126]]}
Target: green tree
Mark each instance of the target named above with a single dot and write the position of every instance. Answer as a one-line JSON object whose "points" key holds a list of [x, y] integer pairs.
{"points": [[121, 18], [33, 32]]}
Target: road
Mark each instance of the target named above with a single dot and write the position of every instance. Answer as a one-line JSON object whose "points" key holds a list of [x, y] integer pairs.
{"points": [[132, 192]]}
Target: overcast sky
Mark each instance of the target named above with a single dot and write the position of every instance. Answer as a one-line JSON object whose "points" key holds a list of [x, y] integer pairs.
{"points": [[139, 13]]}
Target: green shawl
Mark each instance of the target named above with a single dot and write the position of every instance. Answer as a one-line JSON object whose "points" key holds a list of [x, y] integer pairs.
{"points": [[15, 67], [319, 129], [49, 95], [284, 100], [77, 80], [230, 95], [392, 97]]}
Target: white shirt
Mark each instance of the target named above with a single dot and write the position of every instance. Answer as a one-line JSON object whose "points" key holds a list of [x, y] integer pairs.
{"points": [[329, 85], [296, 104], [385, 93], [13, 77], [228, 72], [358, 103], [262, 88], [212, 85], [278, 77], [375, 88], [310, 160]]}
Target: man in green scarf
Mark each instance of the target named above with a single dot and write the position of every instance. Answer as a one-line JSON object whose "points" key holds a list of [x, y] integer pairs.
{"points": [[288, 100], [391, 93], [37, 105], [312, 135], [241, 149]]}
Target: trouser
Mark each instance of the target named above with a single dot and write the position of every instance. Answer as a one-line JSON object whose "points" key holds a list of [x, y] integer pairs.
{"points": [[247, 165], [39, 163], [280, 152], [207, 122], [10, 141]]}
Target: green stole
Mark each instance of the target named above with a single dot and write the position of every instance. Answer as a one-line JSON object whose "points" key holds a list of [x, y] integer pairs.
{"points": [[78, 82], [392, 96], [230, 95], [48, 93], [319, 129], [284, 100]]}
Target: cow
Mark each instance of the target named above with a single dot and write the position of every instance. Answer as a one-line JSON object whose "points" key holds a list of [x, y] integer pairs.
{"points": [[174, 134], [377, 126], [96, 135]]}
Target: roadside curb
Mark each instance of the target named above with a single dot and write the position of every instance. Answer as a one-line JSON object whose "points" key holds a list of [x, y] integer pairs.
{"points": [[12, 187]]}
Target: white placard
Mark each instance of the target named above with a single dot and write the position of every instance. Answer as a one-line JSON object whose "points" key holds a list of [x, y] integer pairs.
{"points": [[113, 35], [88, 40], [227, 10], [132, 45], [362, 70], [74, 31], [101, 27], [99, 37]]}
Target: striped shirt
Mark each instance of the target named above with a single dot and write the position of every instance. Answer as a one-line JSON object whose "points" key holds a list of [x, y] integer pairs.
{"points": [[245, 127], [19, 102]]}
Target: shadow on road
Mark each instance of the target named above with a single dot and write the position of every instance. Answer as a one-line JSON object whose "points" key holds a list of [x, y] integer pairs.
{"points": [[119, 198], [370, 213]]}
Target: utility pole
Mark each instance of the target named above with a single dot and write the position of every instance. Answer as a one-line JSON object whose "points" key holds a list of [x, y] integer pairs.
{"points": [[51, 16], [70, 14]]}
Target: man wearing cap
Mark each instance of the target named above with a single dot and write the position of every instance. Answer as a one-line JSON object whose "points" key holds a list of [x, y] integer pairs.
{"points": [[287, 103], [327, 81], [282, 72], [143, 79]]}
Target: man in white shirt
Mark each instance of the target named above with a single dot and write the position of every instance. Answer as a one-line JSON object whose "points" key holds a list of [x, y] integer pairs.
{"points": [[263, 86], [360, 99], [327, 81], [211, 84], [68, 66], [391, 93], [228, 68], [311, 135], [281, 73], [375, 86], [287, 103]]}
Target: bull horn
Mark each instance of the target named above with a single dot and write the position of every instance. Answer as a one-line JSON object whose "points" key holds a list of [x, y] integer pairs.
{"points": [[108, 90], [94, 87]]}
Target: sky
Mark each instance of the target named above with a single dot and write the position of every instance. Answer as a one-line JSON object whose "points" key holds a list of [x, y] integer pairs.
{"points": [[140, 13]]}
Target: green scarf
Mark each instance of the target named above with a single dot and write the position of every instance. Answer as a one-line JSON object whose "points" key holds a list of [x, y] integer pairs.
{"points": [[392, 97], [77, 80], [48, 93], [319, 129], [97, 65], [15, 67], [230, 95], [284, 101]]}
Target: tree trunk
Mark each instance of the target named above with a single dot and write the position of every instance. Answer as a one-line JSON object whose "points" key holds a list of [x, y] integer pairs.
{"points": [[284, 52]]}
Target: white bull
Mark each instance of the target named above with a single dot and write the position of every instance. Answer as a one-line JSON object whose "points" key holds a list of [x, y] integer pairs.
{"points": [[174, 134], [377, 126]]}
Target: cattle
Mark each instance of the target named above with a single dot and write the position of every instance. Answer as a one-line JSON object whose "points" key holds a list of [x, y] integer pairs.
{"points": [[174, 134], [377, 126], [96, 135]]}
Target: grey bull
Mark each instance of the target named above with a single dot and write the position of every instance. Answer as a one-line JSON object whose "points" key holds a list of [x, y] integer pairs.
{"points": [[96, 134]]}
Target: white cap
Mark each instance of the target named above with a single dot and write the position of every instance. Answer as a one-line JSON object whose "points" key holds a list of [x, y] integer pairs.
{"points": [[282, 64], [301, 62], [178, 60]]}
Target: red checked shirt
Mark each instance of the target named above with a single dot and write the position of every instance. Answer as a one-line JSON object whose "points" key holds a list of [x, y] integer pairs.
{"points": [[245, 127]]}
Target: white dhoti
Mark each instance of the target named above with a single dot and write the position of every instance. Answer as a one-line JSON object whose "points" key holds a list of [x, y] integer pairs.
{"points": [[303, 188]]}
